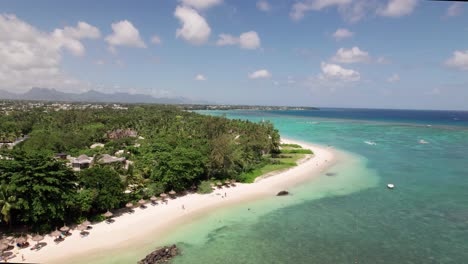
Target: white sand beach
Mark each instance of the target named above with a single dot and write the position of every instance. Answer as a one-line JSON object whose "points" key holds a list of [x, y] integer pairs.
{"points": [[144, 225]]}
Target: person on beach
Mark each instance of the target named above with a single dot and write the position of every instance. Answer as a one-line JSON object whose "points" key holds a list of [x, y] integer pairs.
{"points": [[183, 207], [22, 257], [225, 195]]}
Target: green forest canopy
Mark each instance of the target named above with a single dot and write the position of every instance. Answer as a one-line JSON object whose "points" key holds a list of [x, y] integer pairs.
{"points": [[175, 149]]}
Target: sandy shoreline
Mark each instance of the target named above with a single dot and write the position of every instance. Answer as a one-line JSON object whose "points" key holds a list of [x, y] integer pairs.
{"points": [[144, 225]]}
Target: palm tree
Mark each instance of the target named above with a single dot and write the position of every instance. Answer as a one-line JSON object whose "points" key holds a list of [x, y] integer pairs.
{"points": [[7, 203]]}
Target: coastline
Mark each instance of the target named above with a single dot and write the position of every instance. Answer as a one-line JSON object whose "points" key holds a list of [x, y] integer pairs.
{"points": [[144, 226]]}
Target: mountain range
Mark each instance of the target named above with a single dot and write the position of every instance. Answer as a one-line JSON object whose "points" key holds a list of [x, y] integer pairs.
{"points": [[92, 96]]}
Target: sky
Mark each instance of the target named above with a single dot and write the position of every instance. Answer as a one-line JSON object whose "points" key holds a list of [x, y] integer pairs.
{"points": [[407, 54]]}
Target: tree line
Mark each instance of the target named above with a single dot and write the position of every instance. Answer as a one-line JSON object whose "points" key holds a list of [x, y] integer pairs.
{"points": [[176, 150]]}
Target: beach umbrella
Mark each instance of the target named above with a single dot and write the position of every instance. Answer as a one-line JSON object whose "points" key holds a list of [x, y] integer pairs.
{"points": [[172, 192], [64, 228], [86, 223], [212, 184], [227, 182], [163, 195], [55, 233], [219, 184], [21, 240], [81, 227], [37, 238], [107, 214], [154, 198], [129, 205], [5, 241], [233, 181], [141, 202], [3, 246]]}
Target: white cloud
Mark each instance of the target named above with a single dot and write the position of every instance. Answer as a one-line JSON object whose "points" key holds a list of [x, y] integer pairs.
{"points": [[226, 39], [334, 72], [125, 34], [194, 28], [394, 78], [342, 33], [82, 30], [398, 8], [353, 55], [263, 5], [200, 77], [459, 60], [355, 10], [260, 74], [300, 8], [247, 40], [455, 9], [156, 40], [201, 4], [30, 57]]}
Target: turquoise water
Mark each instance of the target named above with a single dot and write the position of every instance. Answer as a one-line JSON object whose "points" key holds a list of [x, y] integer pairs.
{"points": [[351, 217]]}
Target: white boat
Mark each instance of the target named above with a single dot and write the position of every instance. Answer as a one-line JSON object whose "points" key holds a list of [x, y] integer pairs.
{"points": [[372, 143], [390, 186], [422, 141]]}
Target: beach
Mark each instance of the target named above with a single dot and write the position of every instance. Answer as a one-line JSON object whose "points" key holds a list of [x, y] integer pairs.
{"points": [[144, 226]]}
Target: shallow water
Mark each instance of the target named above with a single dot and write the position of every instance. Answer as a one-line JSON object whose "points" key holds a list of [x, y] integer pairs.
{"points": [[350, 217]]}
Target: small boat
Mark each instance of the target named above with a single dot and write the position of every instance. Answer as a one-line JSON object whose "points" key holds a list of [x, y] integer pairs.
{"points": [[372, 143], [390, 186], [422, 141]]}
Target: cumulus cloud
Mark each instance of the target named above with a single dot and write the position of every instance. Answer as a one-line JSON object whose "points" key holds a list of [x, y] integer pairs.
{"points": [[125, 34], [200, 77], [458, 60], [342, 33], [201, 4], [156, 40], [353, 55], [300, 8], [247, 40], [263, 5], [31, 57], [398, 8], [260, 74], [455, 9], [82, 30], [394, 78], [194, 28], [334, 72]]}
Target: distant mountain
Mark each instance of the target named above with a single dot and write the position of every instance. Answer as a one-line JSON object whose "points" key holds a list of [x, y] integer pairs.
{"points": [[8, 96], [45, 94]]}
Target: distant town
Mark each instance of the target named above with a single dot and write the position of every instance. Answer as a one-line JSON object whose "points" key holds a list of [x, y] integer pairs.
{"points": [[7, 106]]}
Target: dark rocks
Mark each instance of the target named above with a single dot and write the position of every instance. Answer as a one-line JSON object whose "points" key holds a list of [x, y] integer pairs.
{"points": [[330, 174], [160, 255], [282, 193]]}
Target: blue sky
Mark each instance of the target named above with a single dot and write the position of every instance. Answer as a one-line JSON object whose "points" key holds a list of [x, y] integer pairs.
{"points": [[341, 53]]}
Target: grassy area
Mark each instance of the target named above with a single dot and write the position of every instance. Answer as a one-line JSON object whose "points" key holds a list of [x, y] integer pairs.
{"points": [[288, 158], [291, 146]]}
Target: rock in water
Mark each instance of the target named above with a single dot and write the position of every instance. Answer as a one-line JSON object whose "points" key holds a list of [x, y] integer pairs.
{"points": [[282, 193], [160, 255]]}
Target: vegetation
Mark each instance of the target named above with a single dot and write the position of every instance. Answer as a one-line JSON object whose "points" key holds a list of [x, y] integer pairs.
{"points": [[169, 149], [204, 187], [285, 159]]}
